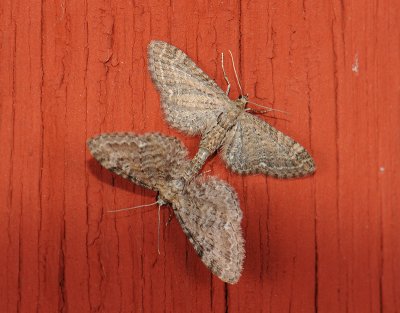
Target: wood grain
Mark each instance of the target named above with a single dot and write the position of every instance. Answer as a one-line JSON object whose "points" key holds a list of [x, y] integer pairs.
{"points": [[73, 69]]}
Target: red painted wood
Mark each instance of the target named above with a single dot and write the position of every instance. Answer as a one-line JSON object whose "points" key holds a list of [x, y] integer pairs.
{"points": [[72, 69]]}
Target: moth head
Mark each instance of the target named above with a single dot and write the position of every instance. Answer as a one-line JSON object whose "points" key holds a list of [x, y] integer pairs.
{"points": [[160, 200], [242, 101], [171, 188]]}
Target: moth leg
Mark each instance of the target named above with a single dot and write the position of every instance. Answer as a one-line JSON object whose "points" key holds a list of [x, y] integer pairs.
{"points": [[268, 109], [228, 88], [158, 228], [254, 111], [205, 172], [170, 217]]}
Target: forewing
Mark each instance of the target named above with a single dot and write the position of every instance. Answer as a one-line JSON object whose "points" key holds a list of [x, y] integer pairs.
{"points": [[148, 160], [190, 98], [209, 213], [254, 146]]}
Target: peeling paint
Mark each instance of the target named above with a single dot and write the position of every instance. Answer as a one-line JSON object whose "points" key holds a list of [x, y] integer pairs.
{"points": [[355, 66]]}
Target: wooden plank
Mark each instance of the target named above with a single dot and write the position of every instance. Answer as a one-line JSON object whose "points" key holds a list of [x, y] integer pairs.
{"points": [[73, 69]]}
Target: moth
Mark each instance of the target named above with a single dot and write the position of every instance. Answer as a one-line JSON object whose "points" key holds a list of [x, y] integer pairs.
{"points": [[207, 208], [194, 104]]}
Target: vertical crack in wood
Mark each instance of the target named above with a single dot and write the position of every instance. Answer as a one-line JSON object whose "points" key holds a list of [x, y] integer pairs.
{"points": [[381, 251], [337, 167], [211, 294], [12, 148], [226, 293], [240, 39], [88, 275], [61, 275], [316, 260], [41, 161], [19, 299]]}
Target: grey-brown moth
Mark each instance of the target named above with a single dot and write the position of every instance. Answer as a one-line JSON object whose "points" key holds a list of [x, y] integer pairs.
{"points": [[207, 208], [193, 103]]}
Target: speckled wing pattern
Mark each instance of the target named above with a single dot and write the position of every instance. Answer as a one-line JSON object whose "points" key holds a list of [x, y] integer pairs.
{"points": [[190, 99], [209, 213], [207, 208], [147, 160], [193, 103], [253, 146]]}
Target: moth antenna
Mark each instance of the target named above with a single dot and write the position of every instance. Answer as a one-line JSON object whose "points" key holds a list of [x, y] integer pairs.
{"points": [[236, 74], [160, 203], [269, 109], [134, 207], [228, 88]]}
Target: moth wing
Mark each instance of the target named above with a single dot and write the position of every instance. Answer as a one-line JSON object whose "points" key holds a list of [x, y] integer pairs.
{"points": [[148, 160], [190, 98], [254, 146], [209, 213]]}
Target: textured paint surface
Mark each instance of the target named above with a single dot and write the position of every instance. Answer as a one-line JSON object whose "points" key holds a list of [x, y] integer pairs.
{"points": [[73, 69]]}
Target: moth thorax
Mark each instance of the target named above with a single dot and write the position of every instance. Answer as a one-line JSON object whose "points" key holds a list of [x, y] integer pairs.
{"points": [[172, 188], [178, 184], [228, 119]]}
